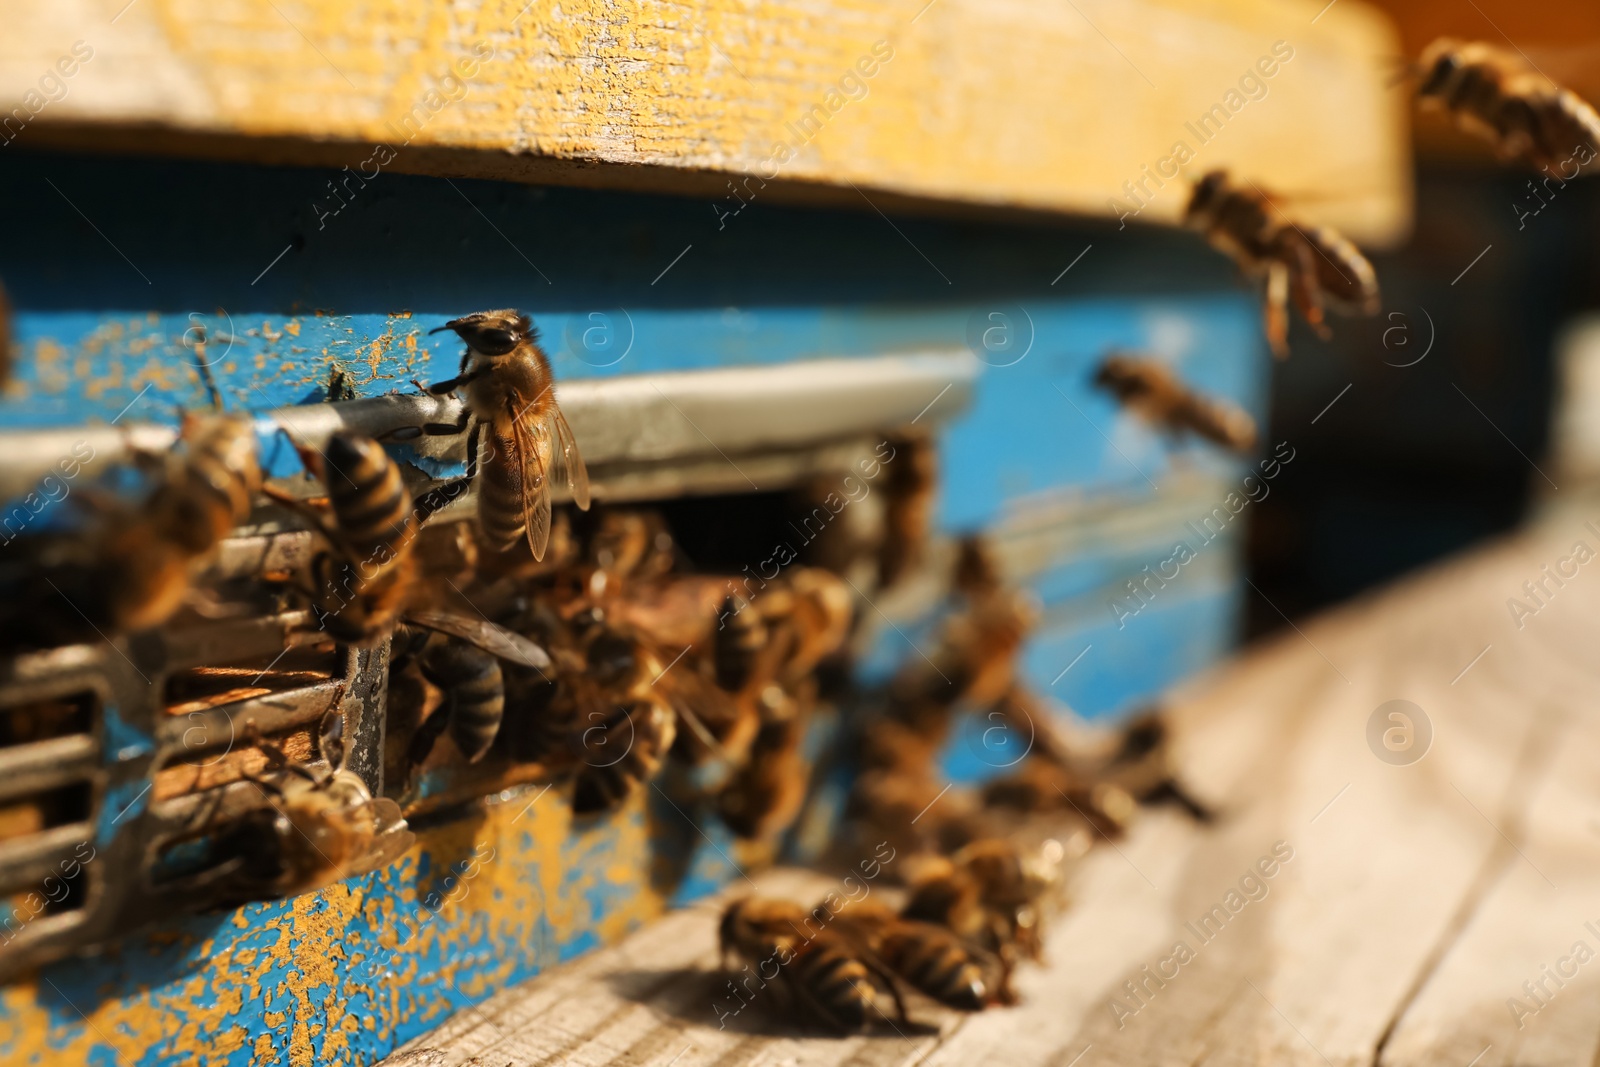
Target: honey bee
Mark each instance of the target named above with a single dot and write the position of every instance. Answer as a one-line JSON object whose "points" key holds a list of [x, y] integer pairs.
{"points": [[625, 725], [134, 565], [975, 663], [765, 795], [1144, 766], [989, 893], [474, 698], [737, 645], [1150, 390], [828, 977], [364, 580], [1038, 786], [628, 546], [912, 485], [511, 396], [1312, 265], [1497, 95], [322, 824], [930, 958]]}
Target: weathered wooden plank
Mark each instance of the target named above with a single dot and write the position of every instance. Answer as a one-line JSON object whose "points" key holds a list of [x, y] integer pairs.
{"points": [[1026, 104], [1405, 901], [1536, 922]]}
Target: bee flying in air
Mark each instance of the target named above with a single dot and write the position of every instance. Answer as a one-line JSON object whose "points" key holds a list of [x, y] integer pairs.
{"points": [[1150, 390], [827, 975], [511, 398], [1312, 265], [321, 824], [1500, 96]]}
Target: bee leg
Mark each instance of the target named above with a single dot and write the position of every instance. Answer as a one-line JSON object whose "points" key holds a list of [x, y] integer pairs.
{"points": [[450, 385], [879, 970], [1303, 287], [295, 504], [440, 495], [1274, 309]]}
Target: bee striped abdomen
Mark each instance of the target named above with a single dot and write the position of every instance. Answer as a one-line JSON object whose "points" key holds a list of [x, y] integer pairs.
{"points": [[475, 689], [500, 489], [841, 984], [935, 963], [369, 498]]}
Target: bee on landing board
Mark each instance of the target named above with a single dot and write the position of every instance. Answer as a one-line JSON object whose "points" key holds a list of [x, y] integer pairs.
{"points": [[1145, 766], [1498, 95], [930, 958], [511, 398], [1313, 266], [321, 824], [990, 893], [827, 976], [1149, 389]]}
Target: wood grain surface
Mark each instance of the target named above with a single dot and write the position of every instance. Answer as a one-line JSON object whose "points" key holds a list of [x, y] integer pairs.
{"points": [[1419, 894], [1023, 103]]}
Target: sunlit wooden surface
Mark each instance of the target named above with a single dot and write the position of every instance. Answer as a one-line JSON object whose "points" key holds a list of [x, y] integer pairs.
{"points": [[1027, 104], [1419, 899]]}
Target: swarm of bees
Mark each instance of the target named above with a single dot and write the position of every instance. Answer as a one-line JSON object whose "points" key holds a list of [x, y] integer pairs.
{"points": [[1488, 91], [587, 655], [979, 869]]}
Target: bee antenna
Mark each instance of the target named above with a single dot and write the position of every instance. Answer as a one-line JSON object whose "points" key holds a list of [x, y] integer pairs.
{"points": [[440, 329]]}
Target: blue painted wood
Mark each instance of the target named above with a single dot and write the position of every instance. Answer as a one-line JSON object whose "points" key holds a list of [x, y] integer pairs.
{"points": [[111, 287]]}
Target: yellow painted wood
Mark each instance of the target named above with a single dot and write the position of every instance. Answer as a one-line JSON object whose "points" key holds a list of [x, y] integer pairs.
{"points": [[1023, 103]]}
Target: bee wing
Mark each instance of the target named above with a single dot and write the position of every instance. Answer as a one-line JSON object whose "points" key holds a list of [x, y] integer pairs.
{"points": [[535, 485], [565, 460], [491, 637]]}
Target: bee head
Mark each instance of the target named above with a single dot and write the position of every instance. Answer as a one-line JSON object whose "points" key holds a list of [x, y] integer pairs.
{"points": [[1439, 65], [493, 333], [1208, 194], [1118, 375]]}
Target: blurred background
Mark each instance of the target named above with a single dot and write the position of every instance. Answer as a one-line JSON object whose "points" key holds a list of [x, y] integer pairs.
{"points": [[1405, 469]]}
